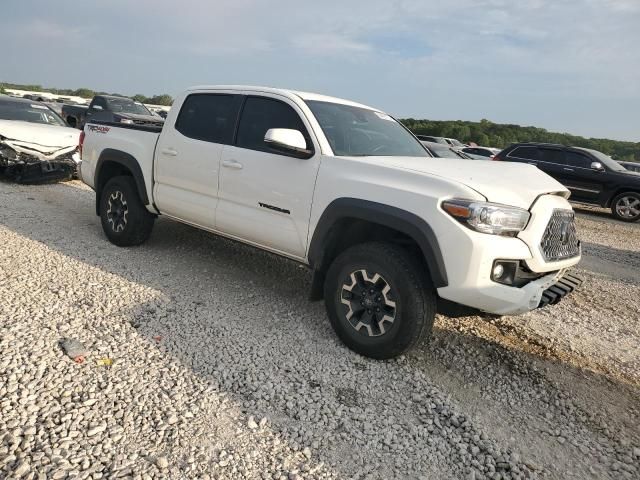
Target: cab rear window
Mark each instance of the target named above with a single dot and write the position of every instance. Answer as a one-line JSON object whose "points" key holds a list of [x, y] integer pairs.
{"points": [[209, 117]]}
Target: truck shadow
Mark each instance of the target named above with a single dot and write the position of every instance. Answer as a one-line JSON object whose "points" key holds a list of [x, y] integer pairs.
{"points": [[255, 303]]}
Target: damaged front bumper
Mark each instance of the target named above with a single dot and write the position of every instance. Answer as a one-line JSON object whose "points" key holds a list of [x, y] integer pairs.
{"points": [[25, 165]]}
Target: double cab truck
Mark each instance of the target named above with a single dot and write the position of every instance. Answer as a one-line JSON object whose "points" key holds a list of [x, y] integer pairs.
{"points": [[111, 108], [391, 234]]}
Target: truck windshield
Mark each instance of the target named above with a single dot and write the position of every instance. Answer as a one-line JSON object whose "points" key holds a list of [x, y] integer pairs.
{"points": [[126, 105], [355, 131]]}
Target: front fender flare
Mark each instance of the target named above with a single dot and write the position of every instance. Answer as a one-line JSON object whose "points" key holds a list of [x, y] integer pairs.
{"points": [[401, 220]]}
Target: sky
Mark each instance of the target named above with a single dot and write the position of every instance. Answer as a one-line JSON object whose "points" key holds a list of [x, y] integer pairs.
{"points": [[564, 65]]}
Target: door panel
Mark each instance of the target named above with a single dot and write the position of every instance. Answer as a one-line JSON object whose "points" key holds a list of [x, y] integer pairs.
{"points": [[188, 157], [585, 183], [268, 200], [187, 178], [265, 197], [551, 162]]}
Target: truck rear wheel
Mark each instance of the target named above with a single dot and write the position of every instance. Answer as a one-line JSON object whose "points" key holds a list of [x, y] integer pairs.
{"points": [[125, 220], [380, 303]]}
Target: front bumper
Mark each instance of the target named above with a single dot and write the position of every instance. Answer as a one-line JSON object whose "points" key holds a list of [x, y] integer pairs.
{"points": [[41, 171], [30, 169], [469, 257], [559, 290]]}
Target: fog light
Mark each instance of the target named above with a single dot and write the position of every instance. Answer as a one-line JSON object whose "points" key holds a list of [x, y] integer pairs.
{"points": [[498, 270], [504, 271]]}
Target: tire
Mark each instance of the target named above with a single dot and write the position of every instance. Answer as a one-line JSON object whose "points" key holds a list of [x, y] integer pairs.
{"points": [[125, 220], [396, 320], [626, 207]]}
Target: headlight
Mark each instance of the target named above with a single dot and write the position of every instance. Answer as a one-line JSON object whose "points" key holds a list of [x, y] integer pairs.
{"points": [[488, 217], [126, 120]]}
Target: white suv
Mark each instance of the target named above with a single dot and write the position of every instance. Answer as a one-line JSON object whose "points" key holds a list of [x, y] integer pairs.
{"points": [[391, 233]]}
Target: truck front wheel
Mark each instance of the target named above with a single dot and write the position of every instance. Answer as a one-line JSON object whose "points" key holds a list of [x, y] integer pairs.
{"points": [[379, 301], [125, 220]]}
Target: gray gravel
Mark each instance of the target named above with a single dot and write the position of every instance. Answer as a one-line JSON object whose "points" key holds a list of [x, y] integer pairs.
{"points": [[222, 369]]}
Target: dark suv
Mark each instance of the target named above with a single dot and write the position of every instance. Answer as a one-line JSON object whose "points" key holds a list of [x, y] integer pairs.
{"points": [[592, 176]]}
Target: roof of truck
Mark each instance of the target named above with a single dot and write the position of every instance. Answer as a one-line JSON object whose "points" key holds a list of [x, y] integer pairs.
{"points": [[285, 92]]}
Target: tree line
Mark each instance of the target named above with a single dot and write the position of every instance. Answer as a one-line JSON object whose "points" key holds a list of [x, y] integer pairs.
{"points": [[489, 134], [162, 99]]}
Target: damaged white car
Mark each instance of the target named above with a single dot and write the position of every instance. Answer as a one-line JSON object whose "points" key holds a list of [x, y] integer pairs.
{"points": [[36, 145]]}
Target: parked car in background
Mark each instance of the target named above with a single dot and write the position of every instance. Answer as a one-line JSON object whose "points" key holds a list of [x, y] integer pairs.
{"points": [[443, 140], [454, 142], [429, 138], [592, 176], [481, 151], [110, 108], [389, 232], [443, 150], [35, 143], [631, 166], [55, 106], [74, 114]]}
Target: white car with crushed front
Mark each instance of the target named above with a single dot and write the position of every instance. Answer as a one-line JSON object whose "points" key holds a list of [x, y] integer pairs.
{"points": [[36, 145]]}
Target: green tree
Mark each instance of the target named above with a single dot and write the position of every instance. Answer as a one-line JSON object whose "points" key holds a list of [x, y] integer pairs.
{"points": [[163, 99], [491, 134], [83, 92]]}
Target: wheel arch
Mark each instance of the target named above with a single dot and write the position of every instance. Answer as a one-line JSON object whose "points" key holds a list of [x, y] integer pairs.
{"points": [[113, 163], [346, 221], [620, 190]]}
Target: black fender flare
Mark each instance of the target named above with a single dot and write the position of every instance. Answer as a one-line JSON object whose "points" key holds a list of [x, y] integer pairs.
{"points": [[130, 163], [392, 217]]}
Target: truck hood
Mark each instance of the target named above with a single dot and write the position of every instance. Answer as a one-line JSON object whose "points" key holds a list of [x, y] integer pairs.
{"points": [[508, 183], [45, 139]]}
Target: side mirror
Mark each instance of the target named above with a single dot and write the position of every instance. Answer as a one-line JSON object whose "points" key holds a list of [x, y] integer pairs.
{"points": [[96, 107], [287, 141], [597, 166]]}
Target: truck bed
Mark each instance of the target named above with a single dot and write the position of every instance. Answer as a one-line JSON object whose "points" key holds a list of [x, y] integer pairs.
{"points": [[117, 139], [130, 126]]}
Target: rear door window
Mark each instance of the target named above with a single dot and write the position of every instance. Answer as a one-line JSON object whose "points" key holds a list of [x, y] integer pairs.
{"points": [[551, 155], [527, 153], [210, 117]]}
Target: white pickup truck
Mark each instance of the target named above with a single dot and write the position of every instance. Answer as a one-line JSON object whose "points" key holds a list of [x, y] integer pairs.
{"points": [[392, 234]]}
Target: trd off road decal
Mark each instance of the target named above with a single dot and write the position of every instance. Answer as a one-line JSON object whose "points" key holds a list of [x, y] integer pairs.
{"points": [[98, 128]]}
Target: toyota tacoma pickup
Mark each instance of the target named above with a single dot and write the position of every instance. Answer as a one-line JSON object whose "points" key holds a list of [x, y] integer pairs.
{"points": [[391, 234]]}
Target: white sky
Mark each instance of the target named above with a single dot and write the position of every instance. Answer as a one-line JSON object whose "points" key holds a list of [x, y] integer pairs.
{"points": [[564, 65]]}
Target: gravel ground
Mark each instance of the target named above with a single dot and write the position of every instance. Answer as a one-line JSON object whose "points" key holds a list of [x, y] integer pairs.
{"points": [[222, 369]]}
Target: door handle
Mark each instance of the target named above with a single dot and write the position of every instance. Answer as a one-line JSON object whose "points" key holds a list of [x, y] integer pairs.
{"points": [[232, 164], [568, 169], [169, 152]]}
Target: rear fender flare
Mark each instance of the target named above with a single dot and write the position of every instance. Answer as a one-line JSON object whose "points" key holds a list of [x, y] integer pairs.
{"points": [[110, 155]]}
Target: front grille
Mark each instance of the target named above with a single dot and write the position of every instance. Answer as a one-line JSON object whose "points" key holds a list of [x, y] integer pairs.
{"points": [[560, 240]]}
